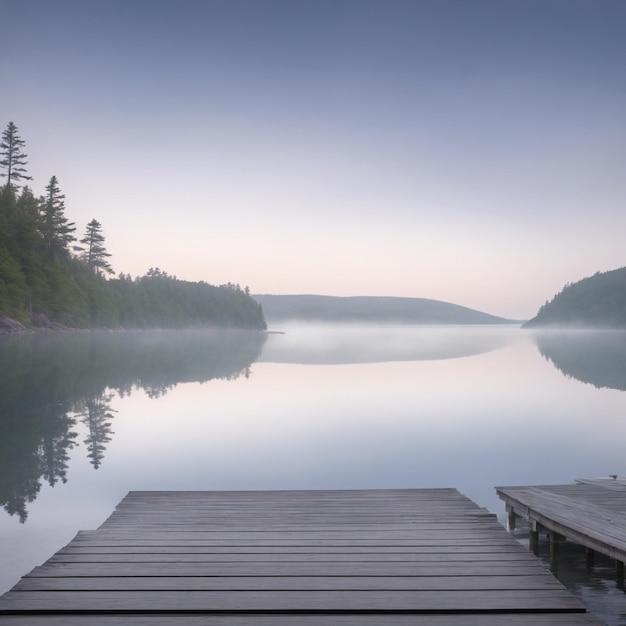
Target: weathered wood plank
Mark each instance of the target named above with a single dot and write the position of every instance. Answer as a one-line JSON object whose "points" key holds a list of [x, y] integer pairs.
{"points": [[432, 568], [263, 556], [462, 524], [290, 583], [293, 558], [579, 520], [293, 601], [617, 483], [321, 534], [163, 539], [449, 619], [356, 551]]}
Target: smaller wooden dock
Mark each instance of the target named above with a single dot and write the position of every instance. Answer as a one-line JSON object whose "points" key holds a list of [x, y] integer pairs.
{"points": [[591, 513], [283, 558]]}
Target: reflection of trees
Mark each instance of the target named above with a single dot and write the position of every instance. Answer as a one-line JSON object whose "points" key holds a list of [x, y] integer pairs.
{"points": [[594, 357], [56, 441], [47, 380], [97, 416], [35, 426]]}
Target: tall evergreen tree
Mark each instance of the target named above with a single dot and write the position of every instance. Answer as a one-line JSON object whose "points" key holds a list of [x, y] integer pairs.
{"points": [[8, 201], [13, 157], [94, 253], [55, 228]]}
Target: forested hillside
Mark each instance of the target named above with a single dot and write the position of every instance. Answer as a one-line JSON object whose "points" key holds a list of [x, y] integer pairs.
{"points": [[371, 309], [48, 273], [598, 301]]}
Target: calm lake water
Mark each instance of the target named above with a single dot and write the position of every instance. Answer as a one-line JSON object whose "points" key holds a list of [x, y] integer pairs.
{"points": [[84, 418]]}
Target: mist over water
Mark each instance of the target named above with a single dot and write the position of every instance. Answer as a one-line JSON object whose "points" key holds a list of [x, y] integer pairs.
{"points": [[86, 418], [333, 344]]}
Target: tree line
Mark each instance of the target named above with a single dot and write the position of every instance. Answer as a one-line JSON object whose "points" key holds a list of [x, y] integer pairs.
{"points": [[598, 301], [47, 273]]}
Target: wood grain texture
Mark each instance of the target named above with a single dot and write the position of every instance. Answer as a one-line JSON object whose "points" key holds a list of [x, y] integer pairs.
{"points": [[591, 513], [300, 557], [286, 583], [260, 619]]}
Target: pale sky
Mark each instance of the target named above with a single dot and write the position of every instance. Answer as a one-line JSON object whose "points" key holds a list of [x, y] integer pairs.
{"points": [[471, 151]]}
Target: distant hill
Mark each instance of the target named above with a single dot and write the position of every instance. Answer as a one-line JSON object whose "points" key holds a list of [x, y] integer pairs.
{"points": [[370, 309], [598, 301]]}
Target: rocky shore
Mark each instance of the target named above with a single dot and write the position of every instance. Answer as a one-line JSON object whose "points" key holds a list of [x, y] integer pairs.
{"points": [[9, 325]]}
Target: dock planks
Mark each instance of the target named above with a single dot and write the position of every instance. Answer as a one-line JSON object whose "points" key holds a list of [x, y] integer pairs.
{"points": [[396, 557], [591, 512]]}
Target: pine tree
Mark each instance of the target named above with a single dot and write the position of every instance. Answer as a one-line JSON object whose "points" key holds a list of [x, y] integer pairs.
{"points": [[94, 253], [55, 228], [13, 158]]}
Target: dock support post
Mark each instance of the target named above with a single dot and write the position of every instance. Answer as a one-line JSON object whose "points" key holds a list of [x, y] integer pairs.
{"points": [[591, 558], [555, 539], [533, 538], [511, 519], [619, 574]]}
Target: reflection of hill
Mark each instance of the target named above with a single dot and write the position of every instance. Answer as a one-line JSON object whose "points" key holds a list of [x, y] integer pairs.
{"points": [[594, 357], [47, 381], [343, 344]]}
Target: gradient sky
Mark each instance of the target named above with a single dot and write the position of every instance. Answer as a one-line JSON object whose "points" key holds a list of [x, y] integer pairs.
{"points": [[471, 151]]}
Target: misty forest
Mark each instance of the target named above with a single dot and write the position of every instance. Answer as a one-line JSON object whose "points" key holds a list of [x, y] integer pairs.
{"points": [[598, 301], [51, 275]]}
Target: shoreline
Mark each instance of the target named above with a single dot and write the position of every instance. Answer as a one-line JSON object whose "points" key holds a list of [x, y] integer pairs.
{"points": [[11, 327]]}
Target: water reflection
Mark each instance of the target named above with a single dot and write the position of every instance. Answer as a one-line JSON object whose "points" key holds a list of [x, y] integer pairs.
{"points": [[594, 585], [48, 383], [594, 357], [342, 344], [56, 391], [97, 415]]}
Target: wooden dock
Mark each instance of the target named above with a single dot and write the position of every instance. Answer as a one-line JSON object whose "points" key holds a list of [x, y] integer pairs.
{"points": [[591, 513], [392, 557]]}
